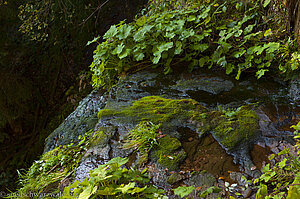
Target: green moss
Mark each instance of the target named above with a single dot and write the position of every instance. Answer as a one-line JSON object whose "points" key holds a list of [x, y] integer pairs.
{"points": [[175, 177], [168, 154], [237, 127], [230, 127], [106, 112], [158, 109], [98, 137]]}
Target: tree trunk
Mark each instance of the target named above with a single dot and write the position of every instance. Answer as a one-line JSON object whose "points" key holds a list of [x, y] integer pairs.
{"points": [[297, 23], [293, 14]]}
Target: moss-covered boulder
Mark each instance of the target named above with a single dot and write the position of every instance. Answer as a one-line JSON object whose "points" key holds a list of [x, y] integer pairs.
{"points": [[169, 153]]}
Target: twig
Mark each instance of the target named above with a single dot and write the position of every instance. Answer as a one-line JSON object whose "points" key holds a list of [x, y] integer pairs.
{"points": [[98, 8], [53, 168]]}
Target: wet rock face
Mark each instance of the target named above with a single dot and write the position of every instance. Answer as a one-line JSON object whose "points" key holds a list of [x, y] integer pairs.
{"points": [[294, 91], [79, 122], [207, 123]]}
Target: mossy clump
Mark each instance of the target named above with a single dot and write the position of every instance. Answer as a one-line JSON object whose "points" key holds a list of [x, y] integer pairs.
{"points": [[158, 110], [229, 127], [105, 112], [236, 127], [175, 177], [98, 138], [168, 153]]}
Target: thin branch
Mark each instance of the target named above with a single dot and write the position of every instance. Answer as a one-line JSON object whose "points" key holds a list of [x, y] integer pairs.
{"points": [[98, 8]]}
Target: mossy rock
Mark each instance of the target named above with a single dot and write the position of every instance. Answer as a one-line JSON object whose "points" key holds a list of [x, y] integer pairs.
{"points": [[236, 128], [229, 127], [168, 153], [158, 110]]}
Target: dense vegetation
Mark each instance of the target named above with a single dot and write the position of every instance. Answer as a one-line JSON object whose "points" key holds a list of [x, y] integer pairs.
{"points": [[44, 69], [237, 36]]}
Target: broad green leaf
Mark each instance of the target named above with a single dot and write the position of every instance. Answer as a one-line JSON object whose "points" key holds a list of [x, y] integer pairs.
{"points": [[141, 21], [183, 191], [225, 46], [113, 30], [139, 56], [118, 49], [209, 191], [186, 33], [124, 31], [272, 47], [249, 29], [293, 192], [140, 35], [138, 190], [222, 61], [120, 161], [229, 68], [170, 35], [284, 151], [282, 164], [296, 127], [266, 3], [165, 46], [178, 48], [107, 191], [200, 47], [125, 188], [191, 18], [262, 192], [156, 58], [238, 33], [88, 191], [124, 53]]}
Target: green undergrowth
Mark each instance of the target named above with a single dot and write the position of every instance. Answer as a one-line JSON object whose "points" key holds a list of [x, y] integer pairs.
{"points": [[46, 174], [113, 180], [142, 139], [281, 179], [234, 35]]}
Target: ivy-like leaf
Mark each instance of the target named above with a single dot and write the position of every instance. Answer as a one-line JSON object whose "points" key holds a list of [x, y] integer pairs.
{"points": [[178, 48], [113, 30], [140, 35], [124, 31], [139, 56], [165, 46], [125, 53], [200, 47], [272, 47], [118, 49]]}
